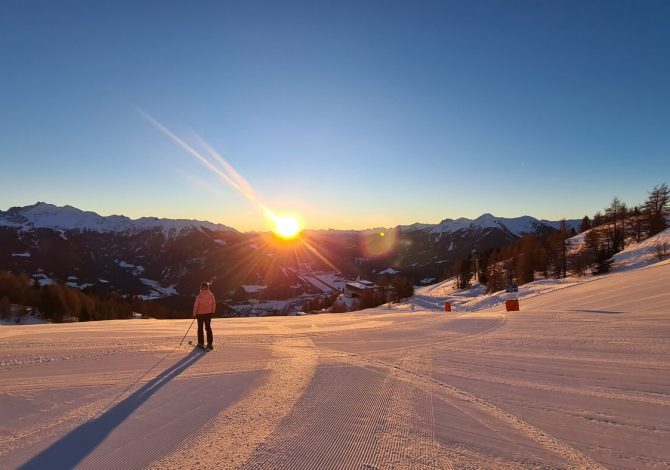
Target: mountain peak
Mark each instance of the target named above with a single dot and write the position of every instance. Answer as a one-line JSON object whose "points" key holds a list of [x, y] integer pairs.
{"points": [[45, 215], [514, 225]]}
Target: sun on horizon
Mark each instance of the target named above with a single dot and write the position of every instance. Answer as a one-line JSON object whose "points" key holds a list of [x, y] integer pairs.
{"points": [[286, 226]]}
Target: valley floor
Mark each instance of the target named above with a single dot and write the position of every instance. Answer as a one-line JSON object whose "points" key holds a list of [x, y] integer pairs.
{"points": [[580, 378]]}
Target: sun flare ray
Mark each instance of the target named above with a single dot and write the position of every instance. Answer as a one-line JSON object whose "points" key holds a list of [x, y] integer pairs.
{"points": [[286, 226]]}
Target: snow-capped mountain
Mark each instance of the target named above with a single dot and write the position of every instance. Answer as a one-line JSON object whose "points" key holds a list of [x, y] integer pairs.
{"points": [[149, 256], [517, 226], [43, 215], [433, 249]]}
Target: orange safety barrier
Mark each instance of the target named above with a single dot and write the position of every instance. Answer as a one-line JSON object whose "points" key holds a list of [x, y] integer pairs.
{"points": [[512, 305], [447, 307]]}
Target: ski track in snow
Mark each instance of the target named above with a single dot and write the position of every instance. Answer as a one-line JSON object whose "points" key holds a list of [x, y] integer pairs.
{"points": [[246, 424], [449, 393], [408, 438]]}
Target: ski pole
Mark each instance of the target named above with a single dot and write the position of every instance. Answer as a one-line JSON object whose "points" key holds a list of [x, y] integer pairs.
{"points": [[189, 329]]}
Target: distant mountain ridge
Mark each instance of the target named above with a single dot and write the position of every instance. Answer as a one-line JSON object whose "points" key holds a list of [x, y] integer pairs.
{"points": [[517, 226], [157, 258], [148, 256], [44, 215]]}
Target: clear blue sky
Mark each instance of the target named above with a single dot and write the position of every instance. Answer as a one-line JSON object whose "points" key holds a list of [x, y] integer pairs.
{"points": [[352, 113]]}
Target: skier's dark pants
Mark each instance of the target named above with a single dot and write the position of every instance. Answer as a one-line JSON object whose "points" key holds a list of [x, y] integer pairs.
{"points": [[206, 320]]}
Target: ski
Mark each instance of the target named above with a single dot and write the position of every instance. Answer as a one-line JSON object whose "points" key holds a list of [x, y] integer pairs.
{"points": [[204, 348]]}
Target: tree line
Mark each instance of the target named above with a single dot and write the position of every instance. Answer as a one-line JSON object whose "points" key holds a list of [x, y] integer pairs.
{"points": [[552, 256], [57, 302]]}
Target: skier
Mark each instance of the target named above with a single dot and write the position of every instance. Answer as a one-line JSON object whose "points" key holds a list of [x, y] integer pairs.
{"points": [[204, 309]]}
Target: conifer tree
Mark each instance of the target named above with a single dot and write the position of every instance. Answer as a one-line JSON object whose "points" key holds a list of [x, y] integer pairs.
{"points": [[655, 207], [585, 224], [464, 274], [637, 224], [494, 275], [615, 217], [597, 252]]}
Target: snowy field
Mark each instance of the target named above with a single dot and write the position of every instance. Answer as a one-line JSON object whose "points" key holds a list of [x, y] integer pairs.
{"points": [[580, 378]]}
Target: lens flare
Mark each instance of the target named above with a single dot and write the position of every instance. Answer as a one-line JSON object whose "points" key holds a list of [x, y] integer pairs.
{"points": [[376, 243]]}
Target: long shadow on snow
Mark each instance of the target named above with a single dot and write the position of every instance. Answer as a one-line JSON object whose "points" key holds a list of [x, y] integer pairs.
{"points": [[607, 312], [71, 449]]}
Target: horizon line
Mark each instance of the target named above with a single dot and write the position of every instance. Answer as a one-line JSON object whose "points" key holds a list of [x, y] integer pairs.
{"points": [[306, 229]]}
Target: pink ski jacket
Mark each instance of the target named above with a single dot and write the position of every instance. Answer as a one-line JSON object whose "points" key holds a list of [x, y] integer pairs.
{"points": [[204, 303]]}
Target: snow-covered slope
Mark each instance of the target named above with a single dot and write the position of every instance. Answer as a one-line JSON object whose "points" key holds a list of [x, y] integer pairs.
{"points": [[634, 257], [579, 378], [43, 215], [643, 253]]}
